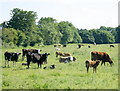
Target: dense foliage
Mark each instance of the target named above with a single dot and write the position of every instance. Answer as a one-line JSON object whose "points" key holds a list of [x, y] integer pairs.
{"points": [[22, 30]]}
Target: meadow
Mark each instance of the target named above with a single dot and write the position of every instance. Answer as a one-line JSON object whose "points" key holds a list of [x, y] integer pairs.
{"points": [[71, 75]]}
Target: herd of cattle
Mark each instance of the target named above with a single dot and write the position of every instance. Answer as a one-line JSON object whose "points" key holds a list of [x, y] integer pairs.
{"points": [[34, 55]]}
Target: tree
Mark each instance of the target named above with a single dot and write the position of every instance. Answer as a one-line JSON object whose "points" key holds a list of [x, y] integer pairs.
{"points": [[49, 30], [118, 34], [9, 35], [102, 36], [22, 20], [86, 36], [69, 33]]}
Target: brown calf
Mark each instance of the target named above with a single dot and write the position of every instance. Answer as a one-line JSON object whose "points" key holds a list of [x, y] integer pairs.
{"points": [[93, 64]]}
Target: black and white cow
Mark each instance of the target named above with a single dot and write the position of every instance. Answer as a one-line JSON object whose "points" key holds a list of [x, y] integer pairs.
{"points": [[36, 58], [67, 59], [11, 56]]}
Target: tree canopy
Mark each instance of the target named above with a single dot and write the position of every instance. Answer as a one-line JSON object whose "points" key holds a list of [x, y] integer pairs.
{"points": [[22, 30]]}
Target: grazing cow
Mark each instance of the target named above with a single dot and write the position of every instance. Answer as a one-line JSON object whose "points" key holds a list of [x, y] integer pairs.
{"points": [[102, 56], [36, 58], [112, 46], [89, 46], [79, 45], [50, 67], [67, 59], [93, 64], [55, 45], [62, 54], [25, 51], [11, 56], [64, 45], [59, 45]]}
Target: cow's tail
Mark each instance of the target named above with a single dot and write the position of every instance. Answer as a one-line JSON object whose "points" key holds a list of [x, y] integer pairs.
{"points": [[86, 63]]}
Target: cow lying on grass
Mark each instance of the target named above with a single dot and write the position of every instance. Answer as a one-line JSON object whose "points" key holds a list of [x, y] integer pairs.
{"points": [[93, 64], [36, 58], [102, 56], [67, 59], [62, 54], [11, 56]]}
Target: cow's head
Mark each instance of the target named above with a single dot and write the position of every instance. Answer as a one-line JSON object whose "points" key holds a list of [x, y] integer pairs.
{"points": [[111, 63], [97, 62], [18, 54], [74, 58]]}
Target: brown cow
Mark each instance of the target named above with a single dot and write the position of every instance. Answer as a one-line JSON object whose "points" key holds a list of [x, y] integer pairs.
{"points": [[102, 56], [59, 54], [93, 64], [62, 54], [25, 51]]}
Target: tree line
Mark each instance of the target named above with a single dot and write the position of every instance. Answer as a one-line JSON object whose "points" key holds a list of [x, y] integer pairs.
{"points": [[22, 30]]}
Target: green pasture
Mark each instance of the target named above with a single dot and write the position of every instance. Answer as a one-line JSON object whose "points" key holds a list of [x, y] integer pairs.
{"points": [[71, 75]]}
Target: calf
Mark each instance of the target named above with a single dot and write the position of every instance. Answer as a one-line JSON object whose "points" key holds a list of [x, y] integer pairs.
{"points": [[36, 58], [93, 64], [11, 56]]}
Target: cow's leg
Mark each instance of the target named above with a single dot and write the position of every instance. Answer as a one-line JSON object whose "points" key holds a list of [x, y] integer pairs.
{"points": [[101, 63], [93, 69], [38, 65], [8, 64], [13, 63], [28, 63], [87, 69], [104, 63], [5, 63], [22, 58]]}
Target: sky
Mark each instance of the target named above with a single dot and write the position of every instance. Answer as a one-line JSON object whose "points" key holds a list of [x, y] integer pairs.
{"points": [[83, 14]]}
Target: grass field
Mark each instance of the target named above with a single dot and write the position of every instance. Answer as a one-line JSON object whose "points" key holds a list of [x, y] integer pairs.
{"points": [[71, 75]]}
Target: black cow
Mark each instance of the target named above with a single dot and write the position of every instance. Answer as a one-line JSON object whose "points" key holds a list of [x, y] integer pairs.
{"points": [[25, 51], [36, 58], [64, 45], [11, 56]]}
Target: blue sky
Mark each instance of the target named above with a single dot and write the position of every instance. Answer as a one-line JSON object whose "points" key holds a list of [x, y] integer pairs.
{"points": [[85, 14]]}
